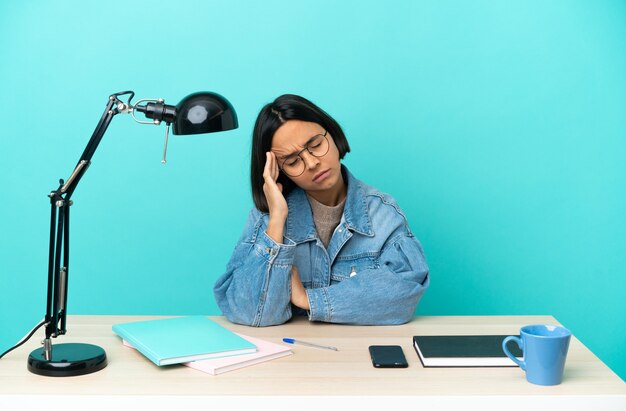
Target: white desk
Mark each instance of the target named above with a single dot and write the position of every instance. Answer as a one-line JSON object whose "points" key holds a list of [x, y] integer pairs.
{"points": [[311, 376]]}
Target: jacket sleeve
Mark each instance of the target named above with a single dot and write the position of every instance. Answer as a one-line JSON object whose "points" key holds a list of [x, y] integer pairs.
{"points": [[384, 295], [256, 287]]}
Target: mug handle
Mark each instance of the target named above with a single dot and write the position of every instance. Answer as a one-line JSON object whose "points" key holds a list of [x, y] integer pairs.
{"points": [[520, 344]]}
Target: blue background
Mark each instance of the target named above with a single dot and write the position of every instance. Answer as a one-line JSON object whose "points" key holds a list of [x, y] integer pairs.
{"points": [[499, 127]]}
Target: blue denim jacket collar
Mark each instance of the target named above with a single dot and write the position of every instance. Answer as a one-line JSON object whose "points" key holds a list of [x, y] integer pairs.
{"points": [[300, 226]]}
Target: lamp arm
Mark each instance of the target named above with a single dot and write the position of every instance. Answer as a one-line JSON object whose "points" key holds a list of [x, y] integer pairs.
{"points": [[58, 257], [114, 106]]}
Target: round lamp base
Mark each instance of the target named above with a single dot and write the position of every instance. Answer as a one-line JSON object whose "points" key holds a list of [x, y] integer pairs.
{"points": [[68, 360]]}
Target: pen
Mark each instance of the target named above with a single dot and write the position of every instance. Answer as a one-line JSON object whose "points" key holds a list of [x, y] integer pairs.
{"points": [[292, 341]]}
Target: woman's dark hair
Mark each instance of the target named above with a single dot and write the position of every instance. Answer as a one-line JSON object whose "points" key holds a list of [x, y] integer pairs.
{"points": [[271, 117]]}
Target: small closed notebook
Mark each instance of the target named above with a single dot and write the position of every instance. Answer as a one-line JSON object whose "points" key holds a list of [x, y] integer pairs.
{"points": [[182, 339], [464, 351], [266, 351]]}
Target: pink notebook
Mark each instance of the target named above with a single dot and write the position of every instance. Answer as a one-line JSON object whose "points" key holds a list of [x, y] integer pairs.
{"points": [[265, 351]]}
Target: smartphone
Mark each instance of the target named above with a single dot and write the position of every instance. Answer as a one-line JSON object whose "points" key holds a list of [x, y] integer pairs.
{"points": [[387, 356]]}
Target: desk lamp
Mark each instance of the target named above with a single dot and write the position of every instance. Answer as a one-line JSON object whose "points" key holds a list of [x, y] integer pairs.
{"points": [[197, 113]]}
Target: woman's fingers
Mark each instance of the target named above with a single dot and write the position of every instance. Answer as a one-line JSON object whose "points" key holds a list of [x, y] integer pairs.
{"points": [[271, 166], [275, 166], [267, 168]]}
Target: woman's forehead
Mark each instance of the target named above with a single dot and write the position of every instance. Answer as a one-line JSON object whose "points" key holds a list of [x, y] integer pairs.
{"points": [[294, 134]]}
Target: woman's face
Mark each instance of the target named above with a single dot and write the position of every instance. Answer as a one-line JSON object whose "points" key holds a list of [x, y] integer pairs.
{"points": [[321, 175]]}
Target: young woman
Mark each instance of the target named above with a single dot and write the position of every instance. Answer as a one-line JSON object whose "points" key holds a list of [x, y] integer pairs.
{"points": [[319, 241]]}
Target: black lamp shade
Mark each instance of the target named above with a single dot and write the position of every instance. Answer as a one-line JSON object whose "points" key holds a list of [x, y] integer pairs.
{"points": [[204, 112]]}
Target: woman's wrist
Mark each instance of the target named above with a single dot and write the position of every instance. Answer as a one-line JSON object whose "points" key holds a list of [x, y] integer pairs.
{"points": [[275, 228], [300, 299]]}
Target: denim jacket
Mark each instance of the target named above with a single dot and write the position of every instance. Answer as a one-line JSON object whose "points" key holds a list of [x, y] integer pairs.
{"points": [[373, 272]]}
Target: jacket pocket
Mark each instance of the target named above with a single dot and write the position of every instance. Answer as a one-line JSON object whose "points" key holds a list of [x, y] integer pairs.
{"points": [[346, 267]]}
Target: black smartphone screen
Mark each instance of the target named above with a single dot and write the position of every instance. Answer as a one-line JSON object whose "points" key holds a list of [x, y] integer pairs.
{"points": [[388, 356]]}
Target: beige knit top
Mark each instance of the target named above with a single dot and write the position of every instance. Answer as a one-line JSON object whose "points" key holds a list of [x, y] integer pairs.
{"points": [[326, 218]]}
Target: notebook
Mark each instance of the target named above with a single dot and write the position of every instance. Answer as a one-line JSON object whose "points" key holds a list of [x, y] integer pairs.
{"points": [[266, 351], [182, 339], [464, 351]]}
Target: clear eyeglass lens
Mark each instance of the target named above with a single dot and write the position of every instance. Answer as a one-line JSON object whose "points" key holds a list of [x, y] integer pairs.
{"points": [[319, 146], [294, 166]]}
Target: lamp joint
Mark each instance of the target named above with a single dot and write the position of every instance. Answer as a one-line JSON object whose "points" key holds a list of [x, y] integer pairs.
{"points": [[122, 107]]}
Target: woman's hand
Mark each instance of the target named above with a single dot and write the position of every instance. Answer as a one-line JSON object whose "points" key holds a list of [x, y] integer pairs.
{"points": [[275, 200], [298, 293]]}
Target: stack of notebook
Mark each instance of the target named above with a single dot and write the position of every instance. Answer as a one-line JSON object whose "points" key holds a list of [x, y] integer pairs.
{"points": [[197, 342]]}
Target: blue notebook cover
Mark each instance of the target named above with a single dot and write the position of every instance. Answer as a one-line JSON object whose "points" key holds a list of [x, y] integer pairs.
{"points": [[182, 339]]}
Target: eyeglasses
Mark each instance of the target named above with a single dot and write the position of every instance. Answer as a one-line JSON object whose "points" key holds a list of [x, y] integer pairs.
{"points": [[293, 165]]}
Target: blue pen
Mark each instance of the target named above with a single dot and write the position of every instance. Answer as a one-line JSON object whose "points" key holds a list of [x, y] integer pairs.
{"points": [[292, 341]]}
